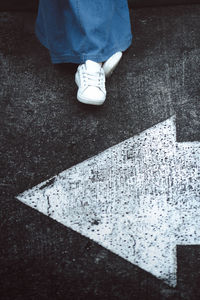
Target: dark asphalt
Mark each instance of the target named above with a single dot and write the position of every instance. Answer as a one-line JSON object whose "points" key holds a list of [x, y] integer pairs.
{"points": [[44, 131]]}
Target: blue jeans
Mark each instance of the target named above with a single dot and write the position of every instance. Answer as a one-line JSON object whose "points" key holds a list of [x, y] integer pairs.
{"points": [[77, 30]]}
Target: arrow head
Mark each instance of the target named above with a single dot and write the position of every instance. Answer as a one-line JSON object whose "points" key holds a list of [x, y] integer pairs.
{"points": [[125, 199]]}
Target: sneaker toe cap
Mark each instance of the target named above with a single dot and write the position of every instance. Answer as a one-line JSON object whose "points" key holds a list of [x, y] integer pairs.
{"points": [[92, 95]]}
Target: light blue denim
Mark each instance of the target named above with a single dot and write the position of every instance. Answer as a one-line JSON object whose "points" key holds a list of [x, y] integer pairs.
{"points": [[77, 30]]}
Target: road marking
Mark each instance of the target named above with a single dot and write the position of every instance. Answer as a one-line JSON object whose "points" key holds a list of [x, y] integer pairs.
{"points": [[139, 199]]}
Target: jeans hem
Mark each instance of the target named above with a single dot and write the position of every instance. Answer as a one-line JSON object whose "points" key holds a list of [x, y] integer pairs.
{"points": [[70, 58]]}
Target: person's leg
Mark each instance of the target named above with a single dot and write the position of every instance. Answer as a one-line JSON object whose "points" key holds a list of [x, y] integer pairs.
{"points": [[86, 32], [78, 30]]}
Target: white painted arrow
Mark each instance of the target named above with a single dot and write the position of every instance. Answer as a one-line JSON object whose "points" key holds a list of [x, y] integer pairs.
{"points": [[138, 199]]}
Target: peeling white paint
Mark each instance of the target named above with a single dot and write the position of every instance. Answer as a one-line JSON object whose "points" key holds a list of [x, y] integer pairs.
{"points": [[138, 199]]}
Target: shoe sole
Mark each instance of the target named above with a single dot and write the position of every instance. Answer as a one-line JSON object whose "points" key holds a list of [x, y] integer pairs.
{"points": [[110, 65], [86, 100]]}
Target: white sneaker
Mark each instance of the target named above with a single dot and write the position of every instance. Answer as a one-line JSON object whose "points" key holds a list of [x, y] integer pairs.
{"points": [[90, 79], [112, 62]]}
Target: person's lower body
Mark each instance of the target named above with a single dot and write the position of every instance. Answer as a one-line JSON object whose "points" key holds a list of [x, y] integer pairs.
{"points": [[77, 31]]}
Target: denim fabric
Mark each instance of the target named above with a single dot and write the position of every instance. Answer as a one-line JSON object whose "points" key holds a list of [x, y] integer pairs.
{"points": [[77, 30]]}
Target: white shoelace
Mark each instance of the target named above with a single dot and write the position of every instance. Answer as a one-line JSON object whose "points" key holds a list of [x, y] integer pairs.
{"points": [[92, 79]]}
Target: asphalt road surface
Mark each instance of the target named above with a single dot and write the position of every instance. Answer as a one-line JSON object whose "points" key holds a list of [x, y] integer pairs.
{"points": [[136, 157]]}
